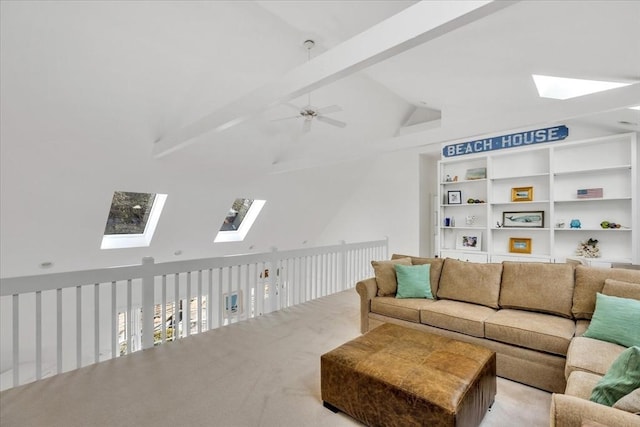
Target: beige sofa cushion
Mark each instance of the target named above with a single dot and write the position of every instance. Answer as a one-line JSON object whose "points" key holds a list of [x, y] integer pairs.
{"points": [[617, 288], [405, 309], [537, 331], [581, 327], [470, 282], [581, 384], [591, 355], [457, 316], [385, 273], [589, 281], [435, 271], [630, 402], [542, 287]]}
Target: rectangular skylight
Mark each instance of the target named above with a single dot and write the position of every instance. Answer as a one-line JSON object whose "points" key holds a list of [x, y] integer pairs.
{"points": [[567, 88], [239, 219], [132, 219]]}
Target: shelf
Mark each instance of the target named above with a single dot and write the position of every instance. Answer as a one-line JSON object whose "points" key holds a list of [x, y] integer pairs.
{"points": [[595, 199], [464, 181], [593, 229], [521, 228], [593, 171], [520, 203], [462, 228], [535, 175], [517, 254], [464, 204], [555, 172]]}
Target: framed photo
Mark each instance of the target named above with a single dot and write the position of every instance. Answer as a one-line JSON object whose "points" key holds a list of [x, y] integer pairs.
{"points": [[522, 194], [232, 304], [454, 197], [520, 245], [476, 173], [469, 240], [526, 219]]}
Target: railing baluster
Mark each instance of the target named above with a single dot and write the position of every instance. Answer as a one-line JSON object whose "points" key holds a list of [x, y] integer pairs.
{"points": [[96, 302], [163, 310], [220, 299], [129, 317], [176, 307], [38, 335], [59, 330], [187, 316], [16, 339], [246, 293], [114, 322], [210, 301], [199, 301], [78, 326]]}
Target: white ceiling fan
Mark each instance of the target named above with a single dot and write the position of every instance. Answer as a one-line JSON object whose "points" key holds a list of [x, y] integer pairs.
{"points": [[309, 112]]}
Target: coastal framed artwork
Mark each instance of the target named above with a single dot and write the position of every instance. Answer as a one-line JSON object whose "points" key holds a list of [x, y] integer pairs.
{"points": [[522, 194], [469, 240], [520, 245], [524, 219], [232, 304]]}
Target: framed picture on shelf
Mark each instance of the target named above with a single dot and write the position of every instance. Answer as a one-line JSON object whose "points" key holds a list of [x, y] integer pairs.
{"points": [[469, 240], [476, 173], [526, 219], [522, 194], [454, 197], [520, 245]]}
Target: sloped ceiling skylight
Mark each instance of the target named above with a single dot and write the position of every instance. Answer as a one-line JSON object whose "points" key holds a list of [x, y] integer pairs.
{"points": [[132, 219], [567, 88], [239, 219]]}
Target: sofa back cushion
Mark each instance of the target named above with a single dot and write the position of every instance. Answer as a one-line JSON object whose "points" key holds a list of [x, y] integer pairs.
{"points": [[541, 287], [435, 266], [385, 273], [590, 281], [470, 282], [617, 288]]}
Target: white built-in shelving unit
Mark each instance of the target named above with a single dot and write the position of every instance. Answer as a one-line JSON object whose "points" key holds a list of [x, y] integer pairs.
{"points": [[555, 171]]}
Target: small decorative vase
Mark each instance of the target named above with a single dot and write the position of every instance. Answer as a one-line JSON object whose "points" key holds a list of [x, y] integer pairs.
{"points": [[575, 223]]}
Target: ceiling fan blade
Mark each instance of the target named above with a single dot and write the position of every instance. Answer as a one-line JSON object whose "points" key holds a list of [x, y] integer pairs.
{"points": [[331, 121], [306, 126], [286, 118], [329, 109]]}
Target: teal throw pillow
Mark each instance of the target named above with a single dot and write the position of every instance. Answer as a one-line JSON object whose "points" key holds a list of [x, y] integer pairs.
{"points": [[413, 281], [615, 320], [621, 379]]}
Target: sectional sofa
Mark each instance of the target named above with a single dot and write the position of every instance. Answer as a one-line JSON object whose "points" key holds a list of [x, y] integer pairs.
{"points": [[533, 315]]}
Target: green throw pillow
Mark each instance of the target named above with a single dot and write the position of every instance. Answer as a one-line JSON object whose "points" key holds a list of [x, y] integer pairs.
{"points": [[615, 320], [621, 379], [413, 281]]}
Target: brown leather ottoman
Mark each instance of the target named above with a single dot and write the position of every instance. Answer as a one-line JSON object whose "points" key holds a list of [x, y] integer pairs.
{"points": [[396, 376]]}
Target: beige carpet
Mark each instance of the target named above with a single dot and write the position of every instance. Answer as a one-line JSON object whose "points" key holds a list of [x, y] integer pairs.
{"points": [[262, 372]]}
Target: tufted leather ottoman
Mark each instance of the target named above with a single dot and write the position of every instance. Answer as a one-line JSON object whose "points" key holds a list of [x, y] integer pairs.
{"points": [[396, 376]]}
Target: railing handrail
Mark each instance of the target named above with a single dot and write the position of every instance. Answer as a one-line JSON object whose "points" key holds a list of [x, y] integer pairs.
{"points": [[51, 281]]}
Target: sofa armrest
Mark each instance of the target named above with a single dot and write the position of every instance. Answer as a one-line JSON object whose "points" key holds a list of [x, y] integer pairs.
{"points": [[571, 411], [367, 289]]}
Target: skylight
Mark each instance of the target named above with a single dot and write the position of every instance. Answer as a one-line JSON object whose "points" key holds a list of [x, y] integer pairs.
{"points": [[132, 219], [566, 88], [239, 219]]}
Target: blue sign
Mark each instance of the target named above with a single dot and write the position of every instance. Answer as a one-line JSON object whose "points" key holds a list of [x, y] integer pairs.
{"points": [[520, 139]]}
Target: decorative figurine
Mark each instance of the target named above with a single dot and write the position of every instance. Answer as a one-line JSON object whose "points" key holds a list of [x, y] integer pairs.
{"points": [[588, 249], [448, 178], [575, 223], [560, 223]]}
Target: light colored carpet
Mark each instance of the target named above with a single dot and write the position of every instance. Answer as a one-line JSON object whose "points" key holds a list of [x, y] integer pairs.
{"points": [[261, 372]]}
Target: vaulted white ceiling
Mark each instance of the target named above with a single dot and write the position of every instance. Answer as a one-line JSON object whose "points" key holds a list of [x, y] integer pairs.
{"points": [[88, 88]]}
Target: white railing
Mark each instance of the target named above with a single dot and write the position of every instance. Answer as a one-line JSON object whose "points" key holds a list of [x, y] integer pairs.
{"points": [[57, 322]]}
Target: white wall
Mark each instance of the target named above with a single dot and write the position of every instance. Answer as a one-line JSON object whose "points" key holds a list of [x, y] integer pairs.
{"points": [[384, 203]]}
